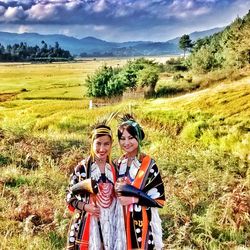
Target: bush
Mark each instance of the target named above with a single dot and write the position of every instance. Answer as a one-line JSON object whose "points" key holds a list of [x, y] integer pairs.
{"points": [[97, 83], [108, 82], [203, 60], [168, 91], [115, 86], [148, 77], [175, 64]]}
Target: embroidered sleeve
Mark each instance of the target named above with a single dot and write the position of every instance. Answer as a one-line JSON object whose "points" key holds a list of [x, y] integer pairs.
{"points": [[154, 187], [74, 200]]}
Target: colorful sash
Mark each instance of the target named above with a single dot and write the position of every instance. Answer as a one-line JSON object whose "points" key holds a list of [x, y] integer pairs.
{"points": [[139, 183]]}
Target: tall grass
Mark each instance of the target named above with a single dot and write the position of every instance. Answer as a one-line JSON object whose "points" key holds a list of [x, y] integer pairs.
{"points": [[200, 142]]}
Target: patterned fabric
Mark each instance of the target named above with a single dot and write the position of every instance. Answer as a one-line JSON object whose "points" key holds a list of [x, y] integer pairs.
{"points": [[143, 224], [84, 230]]}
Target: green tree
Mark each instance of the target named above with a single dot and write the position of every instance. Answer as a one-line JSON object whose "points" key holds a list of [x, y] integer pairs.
{"points": [[108, 81], [132, 69], [148, 78], [97, 83], [199, 43], [115, 86], [105, 82], [226, 49], [185, 43], [130, 72], [203, 60]]}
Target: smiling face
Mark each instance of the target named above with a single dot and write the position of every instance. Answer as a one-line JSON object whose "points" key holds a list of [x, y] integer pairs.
{"points": [[128, 143], [102, 147]]}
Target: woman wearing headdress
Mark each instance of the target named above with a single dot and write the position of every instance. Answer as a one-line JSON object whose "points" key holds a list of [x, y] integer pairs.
{"points": [[91, 197], [139, 188]]}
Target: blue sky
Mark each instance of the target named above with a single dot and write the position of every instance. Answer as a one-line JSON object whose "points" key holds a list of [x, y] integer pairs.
{"points": [[119, 20]]}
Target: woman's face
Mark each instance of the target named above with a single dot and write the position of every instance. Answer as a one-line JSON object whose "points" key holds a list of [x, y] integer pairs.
{"points": [[102, 147], [128, 143]]}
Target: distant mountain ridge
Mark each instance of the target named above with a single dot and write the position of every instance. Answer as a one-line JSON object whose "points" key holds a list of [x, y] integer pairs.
{"points": [[91, 46], [198, 34]]}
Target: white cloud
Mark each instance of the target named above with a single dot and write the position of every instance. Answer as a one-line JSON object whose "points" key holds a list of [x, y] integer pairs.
{"points": [[17, 2], [72, 5], [5, 1], [207, 1], [14, 13], [189, 4], [100, 6], [119, 19], [201, 11], [188, 9], [65, 31], [41, 12]]}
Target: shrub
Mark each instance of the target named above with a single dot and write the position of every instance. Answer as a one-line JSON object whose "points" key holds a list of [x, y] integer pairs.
{"points": [[115, 86], [148, 77], [203, 60], [168, 91], [97, 83], [175, 64]]}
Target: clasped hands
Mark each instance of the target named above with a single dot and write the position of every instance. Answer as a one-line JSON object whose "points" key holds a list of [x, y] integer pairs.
{"points": [[124, 200], [90, 208], [122, 190]]}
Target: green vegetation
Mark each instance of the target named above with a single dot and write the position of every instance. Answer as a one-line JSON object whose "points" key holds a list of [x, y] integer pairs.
{"points": [[24, 53], [225, 53], [185, 43], [105, 82], [111, 82], [226, 49]]}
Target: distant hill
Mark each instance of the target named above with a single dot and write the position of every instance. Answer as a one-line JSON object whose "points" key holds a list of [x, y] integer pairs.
{"points": [[198, 34], [91, 46]]}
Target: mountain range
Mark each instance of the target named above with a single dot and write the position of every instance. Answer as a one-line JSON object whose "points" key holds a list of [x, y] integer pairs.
{"points": [[91, 46]]}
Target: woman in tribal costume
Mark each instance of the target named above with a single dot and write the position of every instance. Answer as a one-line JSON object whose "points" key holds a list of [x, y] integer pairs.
{"points": [[139, 188], [91, 197]]}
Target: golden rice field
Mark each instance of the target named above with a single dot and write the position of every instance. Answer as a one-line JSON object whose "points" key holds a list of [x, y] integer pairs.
{"points": [[200, 141]]}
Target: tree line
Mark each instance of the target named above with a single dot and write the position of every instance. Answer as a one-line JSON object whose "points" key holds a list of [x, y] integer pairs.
{"points": [[21, 52], [229, 48]]}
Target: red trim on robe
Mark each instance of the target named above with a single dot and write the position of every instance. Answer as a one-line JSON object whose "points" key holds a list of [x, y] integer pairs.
{"points": [[114, 173], [71, 208], [137, 183], [85, 236], [144, 227]]}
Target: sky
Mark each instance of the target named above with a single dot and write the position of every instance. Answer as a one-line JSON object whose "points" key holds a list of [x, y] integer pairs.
{"points": [[119, 20]]}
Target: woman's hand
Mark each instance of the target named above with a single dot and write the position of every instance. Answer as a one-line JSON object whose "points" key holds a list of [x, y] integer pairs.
{"points": [[118, 186], [127, 200], [92, 209]]}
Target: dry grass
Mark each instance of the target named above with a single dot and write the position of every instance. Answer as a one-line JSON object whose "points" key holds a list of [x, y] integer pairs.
{"points": [[190, 136]]}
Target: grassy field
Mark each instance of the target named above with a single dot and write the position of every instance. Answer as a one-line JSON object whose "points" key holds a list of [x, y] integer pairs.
{"points": [[200, 141], [62, 80]]}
